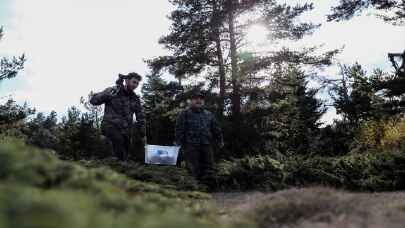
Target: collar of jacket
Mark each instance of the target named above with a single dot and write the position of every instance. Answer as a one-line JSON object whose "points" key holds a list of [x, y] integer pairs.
{"points": [[125, 92], [198, 110]]}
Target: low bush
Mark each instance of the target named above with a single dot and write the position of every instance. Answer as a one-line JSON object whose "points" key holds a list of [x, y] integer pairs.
{"points": [[38, 190], [380, 136], [358, 172], [169, 176], [259, 172]]}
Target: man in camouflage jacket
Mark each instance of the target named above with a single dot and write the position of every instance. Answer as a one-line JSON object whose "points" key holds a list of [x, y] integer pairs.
{"points": [[196, 132], [120, 105]]}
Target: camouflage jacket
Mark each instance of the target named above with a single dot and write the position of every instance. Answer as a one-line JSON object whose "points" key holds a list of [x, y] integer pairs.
{"points": [[197, 127], [120, 106]]}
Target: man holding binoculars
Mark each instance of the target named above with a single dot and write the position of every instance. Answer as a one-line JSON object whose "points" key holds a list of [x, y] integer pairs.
{"points": [[121, 103]]}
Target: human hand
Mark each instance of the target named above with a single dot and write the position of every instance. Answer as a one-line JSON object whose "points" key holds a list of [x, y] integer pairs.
{"points": [[113, 91], [221, 145]]}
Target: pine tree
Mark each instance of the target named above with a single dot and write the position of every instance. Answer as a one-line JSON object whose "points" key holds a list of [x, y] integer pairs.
{"points": [[42, 131], [196, 39], [392, 11], [203, 32], [13, 117], [10, 67], [94, 112], [161, 105], [355, 97], [292, 117]]}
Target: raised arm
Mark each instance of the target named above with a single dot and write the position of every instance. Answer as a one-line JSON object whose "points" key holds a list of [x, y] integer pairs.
{"points": [[102, 97]]}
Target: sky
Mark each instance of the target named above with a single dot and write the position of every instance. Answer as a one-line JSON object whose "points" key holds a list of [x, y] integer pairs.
{"points": [[75, 46]]}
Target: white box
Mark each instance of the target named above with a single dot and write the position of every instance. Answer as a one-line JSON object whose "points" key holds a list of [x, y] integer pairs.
{"points": [[161, 155]]}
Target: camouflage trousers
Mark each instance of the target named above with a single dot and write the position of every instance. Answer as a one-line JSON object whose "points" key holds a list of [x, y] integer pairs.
{"points": [[199, 160], [121, 142]]}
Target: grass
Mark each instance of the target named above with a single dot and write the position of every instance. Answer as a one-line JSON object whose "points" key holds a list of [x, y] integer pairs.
{"points": [[37, 190], [316, 207]]}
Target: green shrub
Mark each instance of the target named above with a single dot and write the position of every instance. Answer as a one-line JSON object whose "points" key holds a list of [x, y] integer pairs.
{"points": [[381, 136], [170, 176], [27, 207], [38, 191], [259, 172], [358, 172], [367, 172], [304, 171]]}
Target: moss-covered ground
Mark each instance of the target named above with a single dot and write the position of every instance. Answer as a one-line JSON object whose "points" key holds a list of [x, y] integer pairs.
{"points": [[38, 190]]}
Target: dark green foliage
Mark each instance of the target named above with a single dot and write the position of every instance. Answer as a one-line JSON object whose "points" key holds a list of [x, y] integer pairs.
{"points": [[191, 38], [288, 120], [362, 100], [76, 137], [93, 112], [79, 137], [251, 139], [375, 172], [42, 131], [38, 190], [381, 171], [392, 11], [202, 31], [69, 146], [355, 97], [200, 34], [92, 142], [335, 139], [12, 117], [369, 172], [10, 112], [391, 86], [395, 59], [163, 101], [10, 67], [168, 176], [304, 171], [281, 20], [259, 172], [161, 104]]}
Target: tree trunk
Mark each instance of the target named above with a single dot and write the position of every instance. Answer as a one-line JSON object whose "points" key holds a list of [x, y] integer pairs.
{"points": [[234, 64], [221, 68]]}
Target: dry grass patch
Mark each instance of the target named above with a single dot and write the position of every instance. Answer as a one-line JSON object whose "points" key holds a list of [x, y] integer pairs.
{"points": [[315, 207]]}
